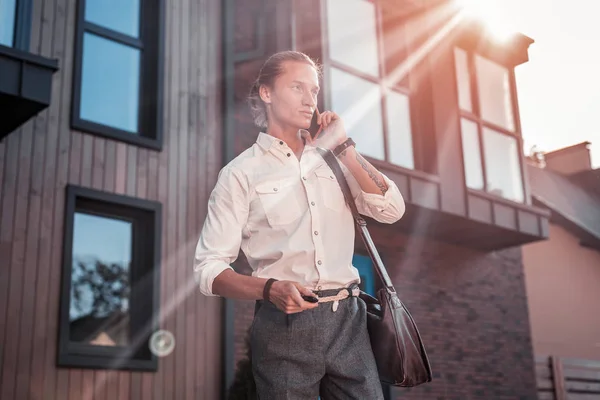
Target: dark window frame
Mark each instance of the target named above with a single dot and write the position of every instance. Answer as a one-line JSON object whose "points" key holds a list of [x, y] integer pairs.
{"points": [[475, 117], [421, 162], [145, 281], [150, 96], [22, 31]]}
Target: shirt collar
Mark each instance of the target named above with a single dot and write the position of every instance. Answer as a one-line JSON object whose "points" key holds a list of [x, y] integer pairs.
{"points": [[267, 141]]}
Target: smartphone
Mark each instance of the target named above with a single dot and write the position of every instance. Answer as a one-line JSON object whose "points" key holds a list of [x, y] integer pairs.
{"points": [[314, 127], [310, 299]]}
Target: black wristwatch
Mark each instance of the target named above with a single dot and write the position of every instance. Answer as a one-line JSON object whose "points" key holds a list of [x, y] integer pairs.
{"points": [[347, 143]]}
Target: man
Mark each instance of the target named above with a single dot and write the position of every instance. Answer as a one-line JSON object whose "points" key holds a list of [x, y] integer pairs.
{"points": [[279, 202]]}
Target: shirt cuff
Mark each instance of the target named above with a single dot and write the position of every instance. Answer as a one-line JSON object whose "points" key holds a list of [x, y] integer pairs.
{"points": [[205, 276], [380, 201]]}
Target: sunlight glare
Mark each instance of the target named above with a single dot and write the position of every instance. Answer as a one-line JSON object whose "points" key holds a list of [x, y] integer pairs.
{"points": [[493, 13]]}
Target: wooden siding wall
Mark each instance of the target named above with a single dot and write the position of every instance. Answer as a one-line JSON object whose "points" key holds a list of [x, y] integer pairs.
{"points": [[567, 378], [40, 159]]}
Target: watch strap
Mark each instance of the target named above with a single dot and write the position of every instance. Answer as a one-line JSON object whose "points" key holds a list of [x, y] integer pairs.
{"points": [[343, 146]]}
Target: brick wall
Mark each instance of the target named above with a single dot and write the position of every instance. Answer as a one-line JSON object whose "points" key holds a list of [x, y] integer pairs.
{"points": [[471, 309]]}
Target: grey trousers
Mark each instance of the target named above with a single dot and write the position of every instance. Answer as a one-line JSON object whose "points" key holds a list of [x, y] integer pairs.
{"points": [[314, 353]]}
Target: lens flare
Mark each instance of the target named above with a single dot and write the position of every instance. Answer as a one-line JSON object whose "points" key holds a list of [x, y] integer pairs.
{"points": [[493, 13]]}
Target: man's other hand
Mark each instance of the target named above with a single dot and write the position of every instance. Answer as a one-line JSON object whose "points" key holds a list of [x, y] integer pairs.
{"points": [[287, 296]]}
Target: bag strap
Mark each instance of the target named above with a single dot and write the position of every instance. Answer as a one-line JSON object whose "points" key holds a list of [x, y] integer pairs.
{"points": [[333, 163]]}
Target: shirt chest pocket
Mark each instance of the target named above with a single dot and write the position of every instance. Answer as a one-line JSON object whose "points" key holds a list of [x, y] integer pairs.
{"points": [[331, 193], [280, 202]]}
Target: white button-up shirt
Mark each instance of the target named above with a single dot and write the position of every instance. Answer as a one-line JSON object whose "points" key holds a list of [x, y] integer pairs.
{"points": [[288, 216]]}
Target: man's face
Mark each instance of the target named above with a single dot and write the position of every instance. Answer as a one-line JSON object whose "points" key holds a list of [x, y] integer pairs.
{"points": [[293, 97]]}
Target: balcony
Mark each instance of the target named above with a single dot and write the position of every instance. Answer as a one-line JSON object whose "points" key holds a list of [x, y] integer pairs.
{"points": [[462, 216], [25, 87]]}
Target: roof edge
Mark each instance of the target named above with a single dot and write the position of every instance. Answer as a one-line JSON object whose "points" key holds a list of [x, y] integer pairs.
{"points": [[583, 233]]}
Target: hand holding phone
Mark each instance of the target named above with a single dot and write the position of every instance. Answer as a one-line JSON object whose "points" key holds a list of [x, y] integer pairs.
{"points": [[310, 299], [327, 130]]}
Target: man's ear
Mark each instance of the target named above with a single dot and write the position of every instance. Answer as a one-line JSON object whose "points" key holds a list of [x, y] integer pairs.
{"points": [[265, 94]]}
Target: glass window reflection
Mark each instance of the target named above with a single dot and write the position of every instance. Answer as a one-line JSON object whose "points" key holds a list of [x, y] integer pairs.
{"points": [[118, 15], [7, 22], [358, 102], [110, 83], [400, 146], [100, 280], [471, 154], [352, 34], [503, 170], [495, 100], [463, 80]]}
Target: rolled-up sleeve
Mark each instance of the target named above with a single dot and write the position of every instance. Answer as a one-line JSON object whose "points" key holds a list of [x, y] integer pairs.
{"points": [[385, 208], [221, 235]]}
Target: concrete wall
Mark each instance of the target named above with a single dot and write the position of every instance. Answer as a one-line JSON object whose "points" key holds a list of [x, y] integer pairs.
{"points": [[563, 288]]}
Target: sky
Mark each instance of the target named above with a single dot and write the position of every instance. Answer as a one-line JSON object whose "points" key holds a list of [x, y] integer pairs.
{"points": [[559, 88]]}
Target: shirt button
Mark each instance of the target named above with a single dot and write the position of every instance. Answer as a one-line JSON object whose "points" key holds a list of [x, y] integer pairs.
{"points": [[319, 262], [331, 176], [312, 203], [316, 232], [280, 142], [288, 154], [319, 287], [304, 177], [274, 189]]}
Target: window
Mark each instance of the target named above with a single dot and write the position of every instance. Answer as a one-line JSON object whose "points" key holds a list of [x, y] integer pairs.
{"points": [[366, 45], [109, 294], [8, 9], [15, 23], [490, 140], [118, 71]]}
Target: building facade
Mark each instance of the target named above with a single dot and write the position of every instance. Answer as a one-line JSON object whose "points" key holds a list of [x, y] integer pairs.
{"points": [[562, 274], [565, 269], [104, 185]]}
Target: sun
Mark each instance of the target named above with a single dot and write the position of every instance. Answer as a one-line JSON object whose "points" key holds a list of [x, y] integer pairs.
{"points": [[493, 13]]}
